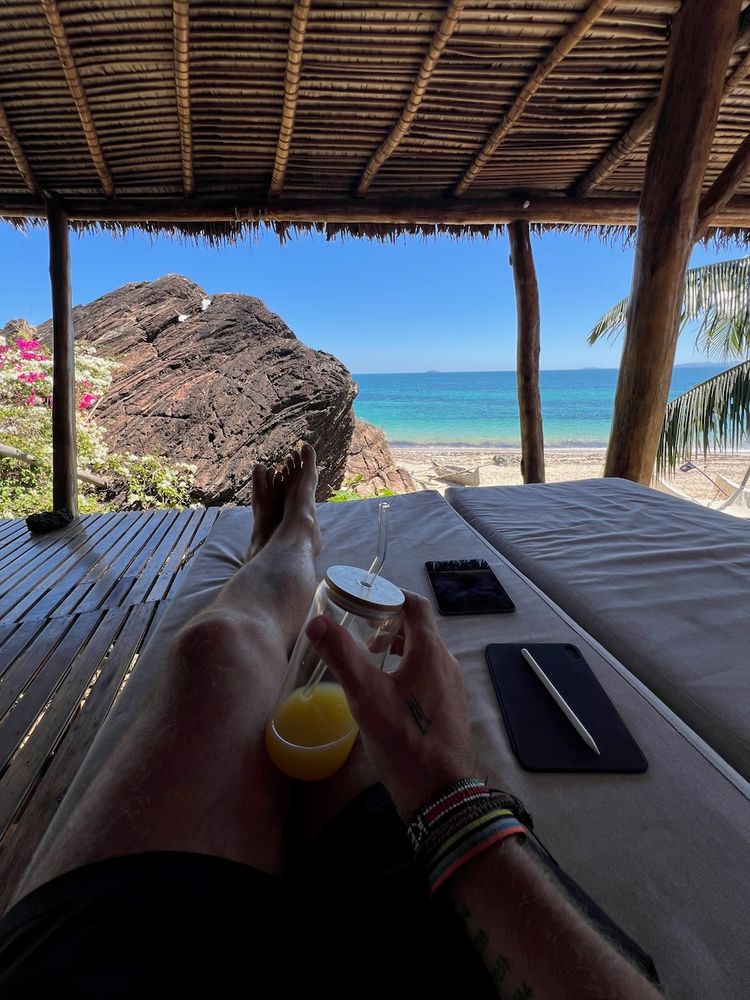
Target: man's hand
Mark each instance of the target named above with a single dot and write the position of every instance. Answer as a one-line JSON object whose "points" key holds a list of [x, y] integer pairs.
{"points": [[413, 721]]}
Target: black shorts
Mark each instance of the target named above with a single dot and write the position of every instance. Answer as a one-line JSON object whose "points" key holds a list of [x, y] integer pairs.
{"points": [[352, 918]]}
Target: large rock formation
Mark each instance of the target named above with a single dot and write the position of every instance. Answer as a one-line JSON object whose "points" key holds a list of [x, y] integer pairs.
{"points": [[218, 381], [370, 466]]}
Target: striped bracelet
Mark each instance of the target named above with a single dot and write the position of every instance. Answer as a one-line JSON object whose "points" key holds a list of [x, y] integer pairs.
{"points": [[461, 822]]}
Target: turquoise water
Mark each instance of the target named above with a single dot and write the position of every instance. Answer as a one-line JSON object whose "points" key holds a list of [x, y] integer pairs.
{"points": [[481, 408]]}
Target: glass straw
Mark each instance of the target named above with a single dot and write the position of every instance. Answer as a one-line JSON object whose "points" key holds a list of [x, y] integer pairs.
{"points": [[372, 574]]}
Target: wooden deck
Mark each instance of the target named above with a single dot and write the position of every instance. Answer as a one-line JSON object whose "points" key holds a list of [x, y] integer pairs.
{"points": [[76, 607]]}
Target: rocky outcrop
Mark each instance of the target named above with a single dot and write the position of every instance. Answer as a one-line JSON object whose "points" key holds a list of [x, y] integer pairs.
{"points": [[220, 382], [370, 466]]}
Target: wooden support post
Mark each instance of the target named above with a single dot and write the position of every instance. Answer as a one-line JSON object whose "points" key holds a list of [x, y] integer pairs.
{"points": [[527, 353], [702, 38], [64, 452]]}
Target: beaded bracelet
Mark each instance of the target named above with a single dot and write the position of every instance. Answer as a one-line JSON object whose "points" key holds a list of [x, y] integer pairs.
{"points": [[459, 823]]}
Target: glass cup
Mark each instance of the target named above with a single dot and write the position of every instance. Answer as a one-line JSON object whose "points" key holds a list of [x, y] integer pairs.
{"points": [[311, 730]]}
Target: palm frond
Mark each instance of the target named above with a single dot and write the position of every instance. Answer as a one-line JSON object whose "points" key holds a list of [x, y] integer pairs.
{"points": [[713, 415], [612, 323], [718, 295]]}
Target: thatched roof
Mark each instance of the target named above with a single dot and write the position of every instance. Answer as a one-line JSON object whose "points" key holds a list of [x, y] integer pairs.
{"points": [[366, 117]]}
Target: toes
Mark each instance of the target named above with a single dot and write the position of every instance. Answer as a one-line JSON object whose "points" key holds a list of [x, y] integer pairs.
{"points": [[307, 455], [260, 474], [270, 479]]}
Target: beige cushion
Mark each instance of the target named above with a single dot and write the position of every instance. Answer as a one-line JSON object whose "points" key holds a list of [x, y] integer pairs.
{"points": [[662, 583]]}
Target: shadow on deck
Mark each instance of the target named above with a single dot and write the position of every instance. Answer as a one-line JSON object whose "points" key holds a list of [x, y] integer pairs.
{"points": [[76, 608]]}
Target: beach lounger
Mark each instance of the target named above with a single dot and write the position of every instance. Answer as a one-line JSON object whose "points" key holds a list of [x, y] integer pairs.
{"points": [[663, 584]]}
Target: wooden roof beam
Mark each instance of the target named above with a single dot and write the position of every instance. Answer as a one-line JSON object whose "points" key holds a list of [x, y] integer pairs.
{"points": [[722, 189], [181, 42], [543, 208], [644, 123], [75, 85], [568, 41], [441, 38], [297, 29], [16, 151]]}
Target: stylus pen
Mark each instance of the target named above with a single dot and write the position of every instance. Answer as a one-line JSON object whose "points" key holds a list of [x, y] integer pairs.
{"points": [[567, 711]]}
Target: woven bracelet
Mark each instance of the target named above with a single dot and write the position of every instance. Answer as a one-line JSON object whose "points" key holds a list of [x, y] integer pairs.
{"points": [[459, 823]]}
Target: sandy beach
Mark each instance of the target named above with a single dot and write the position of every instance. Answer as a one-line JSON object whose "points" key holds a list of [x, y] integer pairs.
{"points": [[503, 467]]}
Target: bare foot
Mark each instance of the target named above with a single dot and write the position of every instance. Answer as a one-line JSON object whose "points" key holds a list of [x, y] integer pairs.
{"points": [[300, 477], [286, 495]]}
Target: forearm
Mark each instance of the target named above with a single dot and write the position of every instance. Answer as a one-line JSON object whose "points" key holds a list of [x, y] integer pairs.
{"points": [[533, 940]]}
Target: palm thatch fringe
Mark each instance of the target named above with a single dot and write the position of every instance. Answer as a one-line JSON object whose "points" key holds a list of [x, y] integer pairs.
{"points": [[714, 415]]}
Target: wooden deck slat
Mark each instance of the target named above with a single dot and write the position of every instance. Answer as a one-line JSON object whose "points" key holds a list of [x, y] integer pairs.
{"points": [[28, 762], [23, 575], [190, 536], [63, 569], [30, 549], [134, 585], [185, 566], [19, 844], [33, 690], [135, 553], [104, 574], [175, 541], [49, 601], [11, 531], [13, 640], [18, 670]]}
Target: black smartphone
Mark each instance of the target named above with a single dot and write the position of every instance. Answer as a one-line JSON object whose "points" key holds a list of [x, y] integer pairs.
{"points": [[467, 587]]}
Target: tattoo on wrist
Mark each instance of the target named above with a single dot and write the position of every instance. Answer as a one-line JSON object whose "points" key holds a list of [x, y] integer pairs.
{"points": [[418, 715]]}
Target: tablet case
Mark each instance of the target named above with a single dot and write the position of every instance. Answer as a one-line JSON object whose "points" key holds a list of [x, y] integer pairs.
{"points": [[541, 736]]}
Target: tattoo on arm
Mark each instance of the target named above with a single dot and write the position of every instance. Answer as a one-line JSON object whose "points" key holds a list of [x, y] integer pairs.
{"points": [[418, 715], [499, 967]]}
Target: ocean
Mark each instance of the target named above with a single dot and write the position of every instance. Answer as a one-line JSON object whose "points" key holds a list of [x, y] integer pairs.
{"points": [[481, 409]]}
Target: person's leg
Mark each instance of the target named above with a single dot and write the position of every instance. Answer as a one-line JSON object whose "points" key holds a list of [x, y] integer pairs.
{"points": [[193, 774]]}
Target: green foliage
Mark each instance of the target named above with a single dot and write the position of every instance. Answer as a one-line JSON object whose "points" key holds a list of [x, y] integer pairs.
{"points": [[716, 413], [347, 493], [138, 481]]}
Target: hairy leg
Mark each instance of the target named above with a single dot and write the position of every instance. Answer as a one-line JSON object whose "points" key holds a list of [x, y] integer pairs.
{"points": [[192, 773]]}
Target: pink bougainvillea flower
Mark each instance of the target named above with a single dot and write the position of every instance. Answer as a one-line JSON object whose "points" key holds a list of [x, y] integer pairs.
{"points": [[87, 401], [33, 400]]}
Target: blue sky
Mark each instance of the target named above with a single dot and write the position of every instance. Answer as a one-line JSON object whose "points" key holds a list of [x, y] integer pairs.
{"points": [[395, 307]]}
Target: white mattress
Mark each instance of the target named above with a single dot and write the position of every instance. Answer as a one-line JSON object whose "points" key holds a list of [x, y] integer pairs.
{"points": [[665, 853], [662, 583]]}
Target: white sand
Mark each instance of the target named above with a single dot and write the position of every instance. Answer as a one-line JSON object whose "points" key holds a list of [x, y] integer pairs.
{"points": [[561, 464]]}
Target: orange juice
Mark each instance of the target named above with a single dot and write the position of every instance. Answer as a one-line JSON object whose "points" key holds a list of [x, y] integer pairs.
{"points": [[310, 737]]}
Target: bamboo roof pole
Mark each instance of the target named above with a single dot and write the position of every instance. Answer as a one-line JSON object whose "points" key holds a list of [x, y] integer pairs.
{"points": [[568, 41], [441, 38], [64, 449], [75, 85], [17, 152], [181, 36], [644, 122], [297, 29], [722, 189], [527, 352], [697, 59]]}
